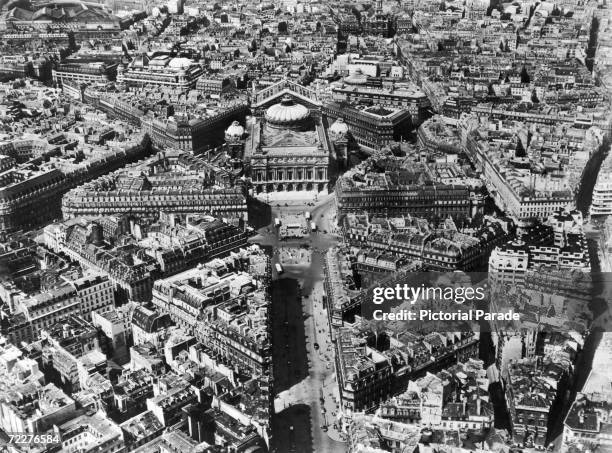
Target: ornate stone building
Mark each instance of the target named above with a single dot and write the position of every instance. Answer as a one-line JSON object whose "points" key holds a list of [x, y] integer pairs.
{"points": [[159, 73], [287, 148], [339, 135], [234, 141], [31, 192], [372, 127], [174, 182], [379, 23], [287, 145]]}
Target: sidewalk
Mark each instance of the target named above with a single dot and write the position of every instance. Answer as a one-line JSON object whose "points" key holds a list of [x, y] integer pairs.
{"points": [[329, 386], [332, 409]]}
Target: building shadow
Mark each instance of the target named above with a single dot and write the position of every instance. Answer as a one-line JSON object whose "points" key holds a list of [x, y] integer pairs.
{"points": [[260, 213], [288, 336], [292, 430]]}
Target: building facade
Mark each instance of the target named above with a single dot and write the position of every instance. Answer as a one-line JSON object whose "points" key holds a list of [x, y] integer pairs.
{"points": [[372, 127], [287, 150], [177, 74], [78, 73], [173, 182]]}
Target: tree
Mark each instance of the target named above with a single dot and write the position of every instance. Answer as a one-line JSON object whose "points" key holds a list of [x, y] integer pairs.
{"points": [[534, 97], [525, 75], [282, 27], [520, 149]]}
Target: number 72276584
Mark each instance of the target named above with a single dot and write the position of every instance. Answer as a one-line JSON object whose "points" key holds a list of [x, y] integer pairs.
{"points": [[33, 438]]}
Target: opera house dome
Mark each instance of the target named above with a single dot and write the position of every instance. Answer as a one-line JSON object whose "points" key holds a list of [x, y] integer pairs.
{"points": [[339, 128], [235, 130], [286, 114]]}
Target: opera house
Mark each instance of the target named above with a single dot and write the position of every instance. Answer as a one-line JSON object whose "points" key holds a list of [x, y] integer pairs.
{"points": [[287, 150], [286, 147]]}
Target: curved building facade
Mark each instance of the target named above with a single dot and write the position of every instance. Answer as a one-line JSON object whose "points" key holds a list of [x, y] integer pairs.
{"points": [[31, 193], [601, 203]]}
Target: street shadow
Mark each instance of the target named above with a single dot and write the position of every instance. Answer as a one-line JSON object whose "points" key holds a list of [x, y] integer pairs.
{"points": [[292, 430], [288, 336], [260, 213]]}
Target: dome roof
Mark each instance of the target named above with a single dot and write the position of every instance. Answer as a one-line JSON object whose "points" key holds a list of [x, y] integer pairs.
{"points": [[357, 78], [339, 127], [286, 112], [180, 63], [235, 130]]}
